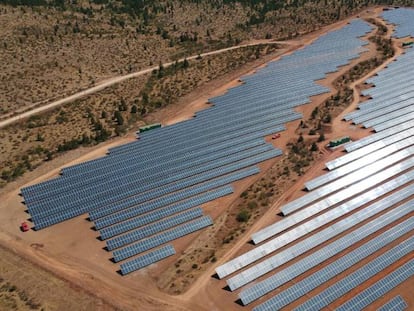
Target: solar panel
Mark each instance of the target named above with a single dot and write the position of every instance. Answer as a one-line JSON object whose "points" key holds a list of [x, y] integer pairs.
{"points": [[362, 162], [153, 228], [395, 304], [351, 146], [349, 179], [356, 278], [380, 288], [160, 213], [147, 259], [162, 238]]}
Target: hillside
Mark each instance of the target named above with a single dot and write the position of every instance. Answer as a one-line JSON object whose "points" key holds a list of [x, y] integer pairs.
{"points": [[53, 48]]}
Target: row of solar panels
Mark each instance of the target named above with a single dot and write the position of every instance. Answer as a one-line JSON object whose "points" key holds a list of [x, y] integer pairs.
{"points": [[366, 191]]}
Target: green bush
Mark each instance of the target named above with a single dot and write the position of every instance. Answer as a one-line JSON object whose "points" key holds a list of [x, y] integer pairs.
{"points": [[243, 216]]}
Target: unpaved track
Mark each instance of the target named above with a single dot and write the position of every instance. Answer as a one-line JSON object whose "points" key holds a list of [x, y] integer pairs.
{"points": [[118, 79]]}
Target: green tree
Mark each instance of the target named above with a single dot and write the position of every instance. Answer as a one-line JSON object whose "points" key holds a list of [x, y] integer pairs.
{"points": [[118, 118], [243, 216], [321, 137]]}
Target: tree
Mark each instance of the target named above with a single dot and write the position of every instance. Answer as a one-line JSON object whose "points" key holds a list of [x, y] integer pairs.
{"points": [[300, 139], [160, 71], [321, 138], [327, 118], [243, 216], [122, 106], [118, 117], [49, 155], [145, 98], [134, 109], [39, 137], [314, 147], [314, 113]]}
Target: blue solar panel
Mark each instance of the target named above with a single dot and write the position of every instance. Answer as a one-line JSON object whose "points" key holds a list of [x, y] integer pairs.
{"points": [[158, 214], [161, 238], [378, 289], [147, 259], [395, 304], [153, 228]]}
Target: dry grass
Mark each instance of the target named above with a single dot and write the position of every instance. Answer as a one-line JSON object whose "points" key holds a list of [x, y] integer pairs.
{"points": [[23, 286]]}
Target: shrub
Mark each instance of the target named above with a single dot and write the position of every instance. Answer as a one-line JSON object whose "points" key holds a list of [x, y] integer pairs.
{"points": [[252, 204], [321, 138], [243, 216]]}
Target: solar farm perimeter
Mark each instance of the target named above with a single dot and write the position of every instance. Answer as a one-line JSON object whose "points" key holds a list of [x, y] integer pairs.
{"points": [[346, 244]]}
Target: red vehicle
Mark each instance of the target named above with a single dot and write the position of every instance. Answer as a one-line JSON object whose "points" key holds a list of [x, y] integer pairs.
{"points": [[24, 226], [276, 136]]}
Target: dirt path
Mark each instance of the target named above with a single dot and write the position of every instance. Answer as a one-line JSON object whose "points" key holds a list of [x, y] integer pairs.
{"points": [[118, 79]]}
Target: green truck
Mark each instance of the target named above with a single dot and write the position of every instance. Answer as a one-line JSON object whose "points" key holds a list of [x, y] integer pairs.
{"points": [[339, 141], [149, 127]]}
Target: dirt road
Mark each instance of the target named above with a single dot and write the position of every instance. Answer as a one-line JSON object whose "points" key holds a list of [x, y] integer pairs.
{"points": [[109, 82]]}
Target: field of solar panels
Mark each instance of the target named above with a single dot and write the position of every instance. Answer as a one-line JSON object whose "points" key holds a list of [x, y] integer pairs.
{"points": [[341, 238]]}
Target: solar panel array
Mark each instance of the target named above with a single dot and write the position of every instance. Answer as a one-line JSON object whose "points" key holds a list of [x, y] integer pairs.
{"points": [[147, 193], [403, 19], [376, 291], [357, 277], [395, 304], [355, 211], [330, 271]]}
